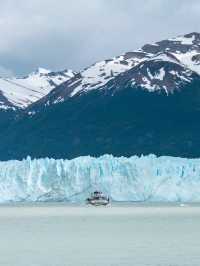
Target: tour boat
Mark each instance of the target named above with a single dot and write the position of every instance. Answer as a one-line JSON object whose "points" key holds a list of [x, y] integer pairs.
{"points": [[97, 198]]}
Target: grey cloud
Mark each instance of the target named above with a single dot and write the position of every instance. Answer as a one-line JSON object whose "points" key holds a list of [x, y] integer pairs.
{"points": [[74, 34]]}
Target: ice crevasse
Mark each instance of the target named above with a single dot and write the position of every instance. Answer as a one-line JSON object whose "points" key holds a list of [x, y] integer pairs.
{"points": [[145, 178]]}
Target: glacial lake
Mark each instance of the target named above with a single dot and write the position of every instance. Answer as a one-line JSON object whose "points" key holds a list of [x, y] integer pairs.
{"points": [[117, 235]]}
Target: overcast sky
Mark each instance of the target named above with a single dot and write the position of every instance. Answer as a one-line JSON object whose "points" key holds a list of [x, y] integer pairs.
{"points": [[59, 34]]}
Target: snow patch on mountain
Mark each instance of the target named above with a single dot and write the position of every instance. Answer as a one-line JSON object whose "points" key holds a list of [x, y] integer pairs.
{"points": [[167, 57], [185, 40], [189, 61], [159, 75], [100, 73], [41, 71]]}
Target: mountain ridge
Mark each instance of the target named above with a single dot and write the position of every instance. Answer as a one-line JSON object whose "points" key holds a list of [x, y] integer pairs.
{"points": [[183, 51], [21, 92], [146, 101]]}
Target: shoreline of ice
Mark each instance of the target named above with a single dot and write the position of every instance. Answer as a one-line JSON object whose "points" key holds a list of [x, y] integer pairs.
{"points": [[139, 179]]}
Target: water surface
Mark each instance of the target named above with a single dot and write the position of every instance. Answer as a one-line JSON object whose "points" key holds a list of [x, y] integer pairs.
{"points": [[121, 234]]}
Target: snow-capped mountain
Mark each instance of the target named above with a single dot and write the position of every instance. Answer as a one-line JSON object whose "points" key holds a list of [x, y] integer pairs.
{"points": [[183, 50], [162, 72], [142, 102], [21, 92], [162, 65]]}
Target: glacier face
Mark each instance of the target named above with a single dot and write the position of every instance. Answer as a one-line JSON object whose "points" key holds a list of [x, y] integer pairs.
{"points": [[146, 178]]}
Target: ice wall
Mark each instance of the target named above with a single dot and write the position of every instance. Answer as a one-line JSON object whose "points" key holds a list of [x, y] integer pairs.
{"points": [[145, 178]]}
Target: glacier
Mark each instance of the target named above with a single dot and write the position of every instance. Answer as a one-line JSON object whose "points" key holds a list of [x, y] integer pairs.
{"points": [[140, 179]]}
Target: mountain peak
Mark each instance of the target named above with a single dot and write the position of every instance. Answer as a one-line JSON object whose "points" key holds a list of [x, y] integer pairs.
{"points": [[21, 92], [193, 34], [42, 71], [187, 39]]}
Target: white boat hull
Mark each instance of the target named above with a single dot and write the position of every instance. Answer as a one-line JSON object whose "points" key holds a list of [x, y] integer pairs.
{"points": [[98, 202]]}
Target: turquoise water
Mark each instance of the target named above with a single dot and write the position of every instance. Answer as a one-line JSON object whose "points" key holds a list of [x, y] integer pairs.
{"points": [[123, 234]]}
